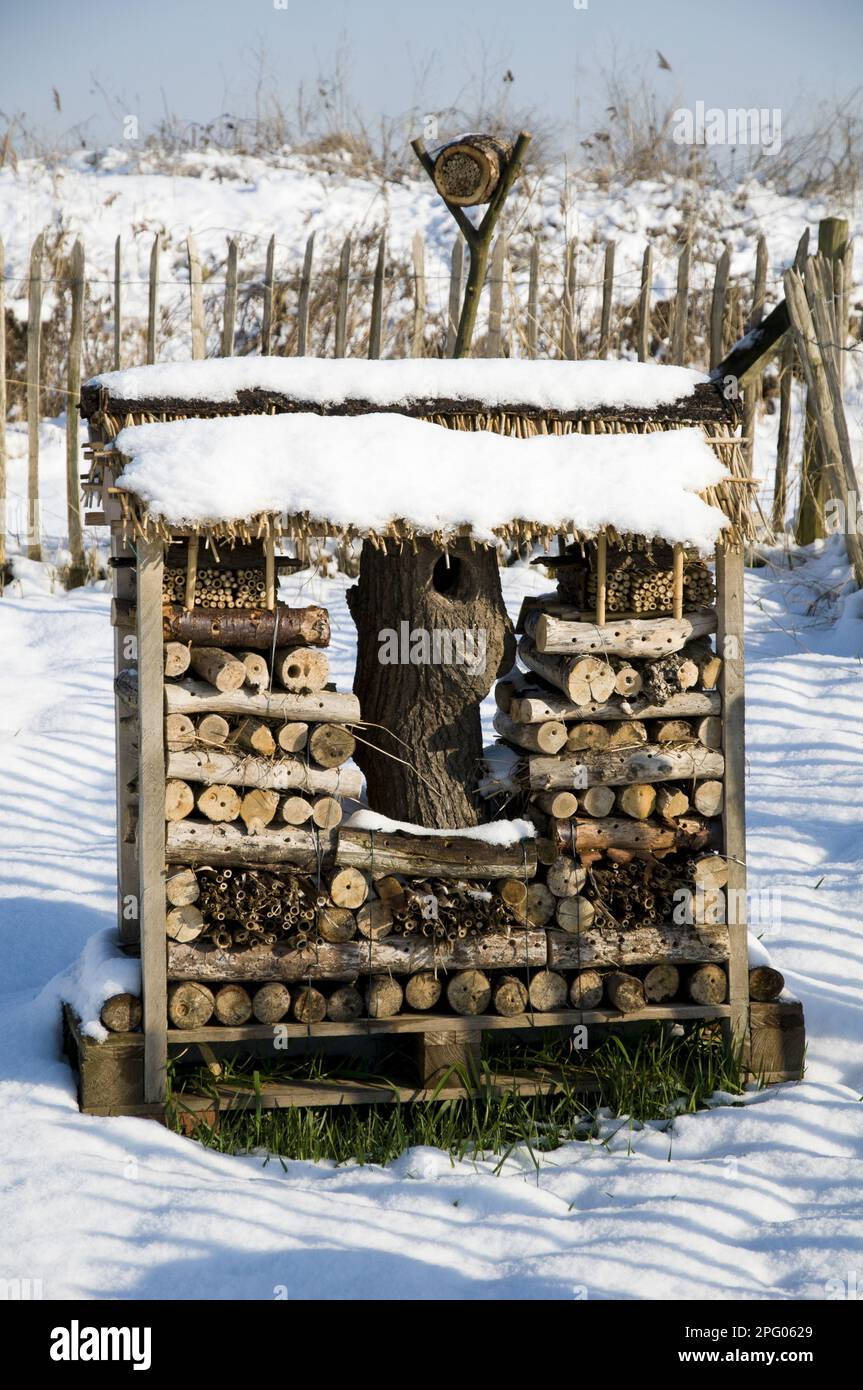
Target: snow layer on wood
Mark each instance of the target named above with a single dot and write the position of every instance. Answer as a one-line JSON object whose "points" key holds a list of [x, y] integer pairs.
{"points": [[366, 472], [502, 833], [100, 972], [493, 382]]}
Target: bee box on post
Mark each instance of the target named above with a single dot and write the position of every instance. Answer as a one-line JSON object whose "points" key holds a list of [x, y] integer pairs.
{"points": [[611, 888]]}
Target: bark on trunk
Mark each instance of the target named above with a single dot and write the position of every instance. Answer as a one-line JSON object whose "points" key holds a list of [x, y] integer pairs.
{"points": [[433, 634]]}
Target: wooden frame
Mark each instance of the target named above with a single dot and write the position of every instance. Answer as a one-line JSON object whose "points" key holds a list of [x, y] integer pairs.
{"points": [[151, 815]]}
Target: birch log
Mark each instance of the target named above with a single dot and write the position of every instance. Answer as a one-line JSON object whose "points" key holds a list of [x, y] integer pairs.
{"points": [[649, 638], [617, 767], [535, 705], [325, 706], [281, 774]]}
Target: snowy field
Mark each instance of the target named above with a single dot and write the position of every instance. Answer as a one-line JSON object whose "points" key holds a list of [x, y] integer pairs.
{"points": [[759, 1201]]}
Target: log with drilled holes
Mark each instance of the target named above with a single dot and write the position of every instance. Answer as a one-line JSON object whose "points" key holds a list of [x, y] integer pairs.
{"points": [[281, 774], [707, 985], [661, 983], [257, 671], [537, 738], [644, 944], [613, 832], [348, 887], [648, 638], [177, 657], [331, 745], [190, 1004], [219, 803], [301, 669], [582, 678], [618, 766], [219, 668], [536, 705], [324, 706], [469, 992], [250, 629], [179, 732], [509, 996]]}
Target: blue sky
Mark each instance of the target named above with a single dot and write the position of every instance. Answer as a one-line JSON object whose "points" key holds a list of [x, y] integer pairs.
{"points": [[196, 58]]}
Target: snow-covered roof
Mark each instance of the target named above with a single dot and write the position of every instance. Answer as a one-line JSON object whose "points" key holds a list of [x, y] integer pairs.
{"points": [[388, 474], [330, 383]]}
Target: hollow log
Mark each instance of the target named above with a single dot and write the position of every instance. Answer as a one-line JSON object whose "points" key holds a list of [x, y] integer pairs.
{"points": [[122, 1013], [251, 629], [618, 767], [177, 657], [423, 768], [648, 638], [281, 774], [301, 669], [395, 955], [536, 705], [324, 706], [190, 1004], [467, 170]]}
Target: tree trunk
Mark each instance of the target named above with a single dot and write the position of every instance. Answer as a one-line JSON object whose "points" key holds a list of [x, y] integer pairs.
{"points": [[413, 610]]}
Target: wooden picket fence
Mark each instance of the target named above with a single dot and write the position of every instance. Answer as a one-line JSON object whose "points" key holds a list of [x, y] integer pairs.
{"points": [[545, 319]]}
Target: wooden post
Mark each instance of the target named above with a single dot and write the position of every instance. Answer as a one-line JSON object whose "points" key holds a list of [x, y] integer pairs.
{"points": [[118, 304], [3, 485], [533, 299], [601, 566], [607, 300], [153, 298], [569, 340], [752, 392], [303, 297], [196, 298], [191, 573], [783, 439], [376, 324], [418, 253], [455, 292], [644, 304], [270, 568], [229, 317], [495, 298], [681, 308], [677, 581], [267, 309], [77, 568], [478, 238], [34, 377], [730, 647], [718, 306], [151, 816], [341, 339]]}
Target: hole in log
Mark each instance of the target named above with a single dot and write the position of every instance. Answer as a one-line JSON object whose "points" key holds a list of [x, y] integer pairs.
{"points": [[446, 575]]}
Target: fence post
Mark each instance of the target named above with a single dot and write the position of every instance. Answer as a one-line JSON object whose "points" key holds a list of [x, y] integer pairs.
{"points": [[752, 393], [607, 300], [495, 297], [681, 308], [34, 371], [153, 301], [3, 483], [783, 438], [196, 296], [342, 299], [267, 310], [77, 568], [418, 253], [644, 304], [832, 243], [456, 276], [303, 297], [718, 306], [533, 299], [229, 317], [376, 324], [570, 327]]}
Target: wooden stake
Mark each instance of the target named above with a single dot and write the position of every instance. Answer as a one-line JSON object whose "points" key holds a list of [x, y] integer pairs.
{"points": [[718, 306], [677, 582], [495, 300], [601, 564], [607, 300], [229, 315], [569, 342], [533, 299], [455, 293], [151, 824], [34, 378], [643, 341], [341, 339], [783, 438], [77, 568], [196, 299], [118, 304], [418, 253], [270, 568], [191, 572], [376, 324], [153, 297], [269, 290], [681, 308], [303, 298]]}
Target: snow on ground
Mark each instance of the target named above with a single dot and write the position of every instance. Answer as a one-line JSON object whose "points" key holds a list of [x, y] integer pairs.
{"points": [[756, 1201]]}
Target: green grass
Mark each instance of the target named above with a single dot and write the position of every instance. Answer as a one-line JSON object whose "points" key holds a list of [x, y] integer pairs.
{"points": [[650, 1077]]}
